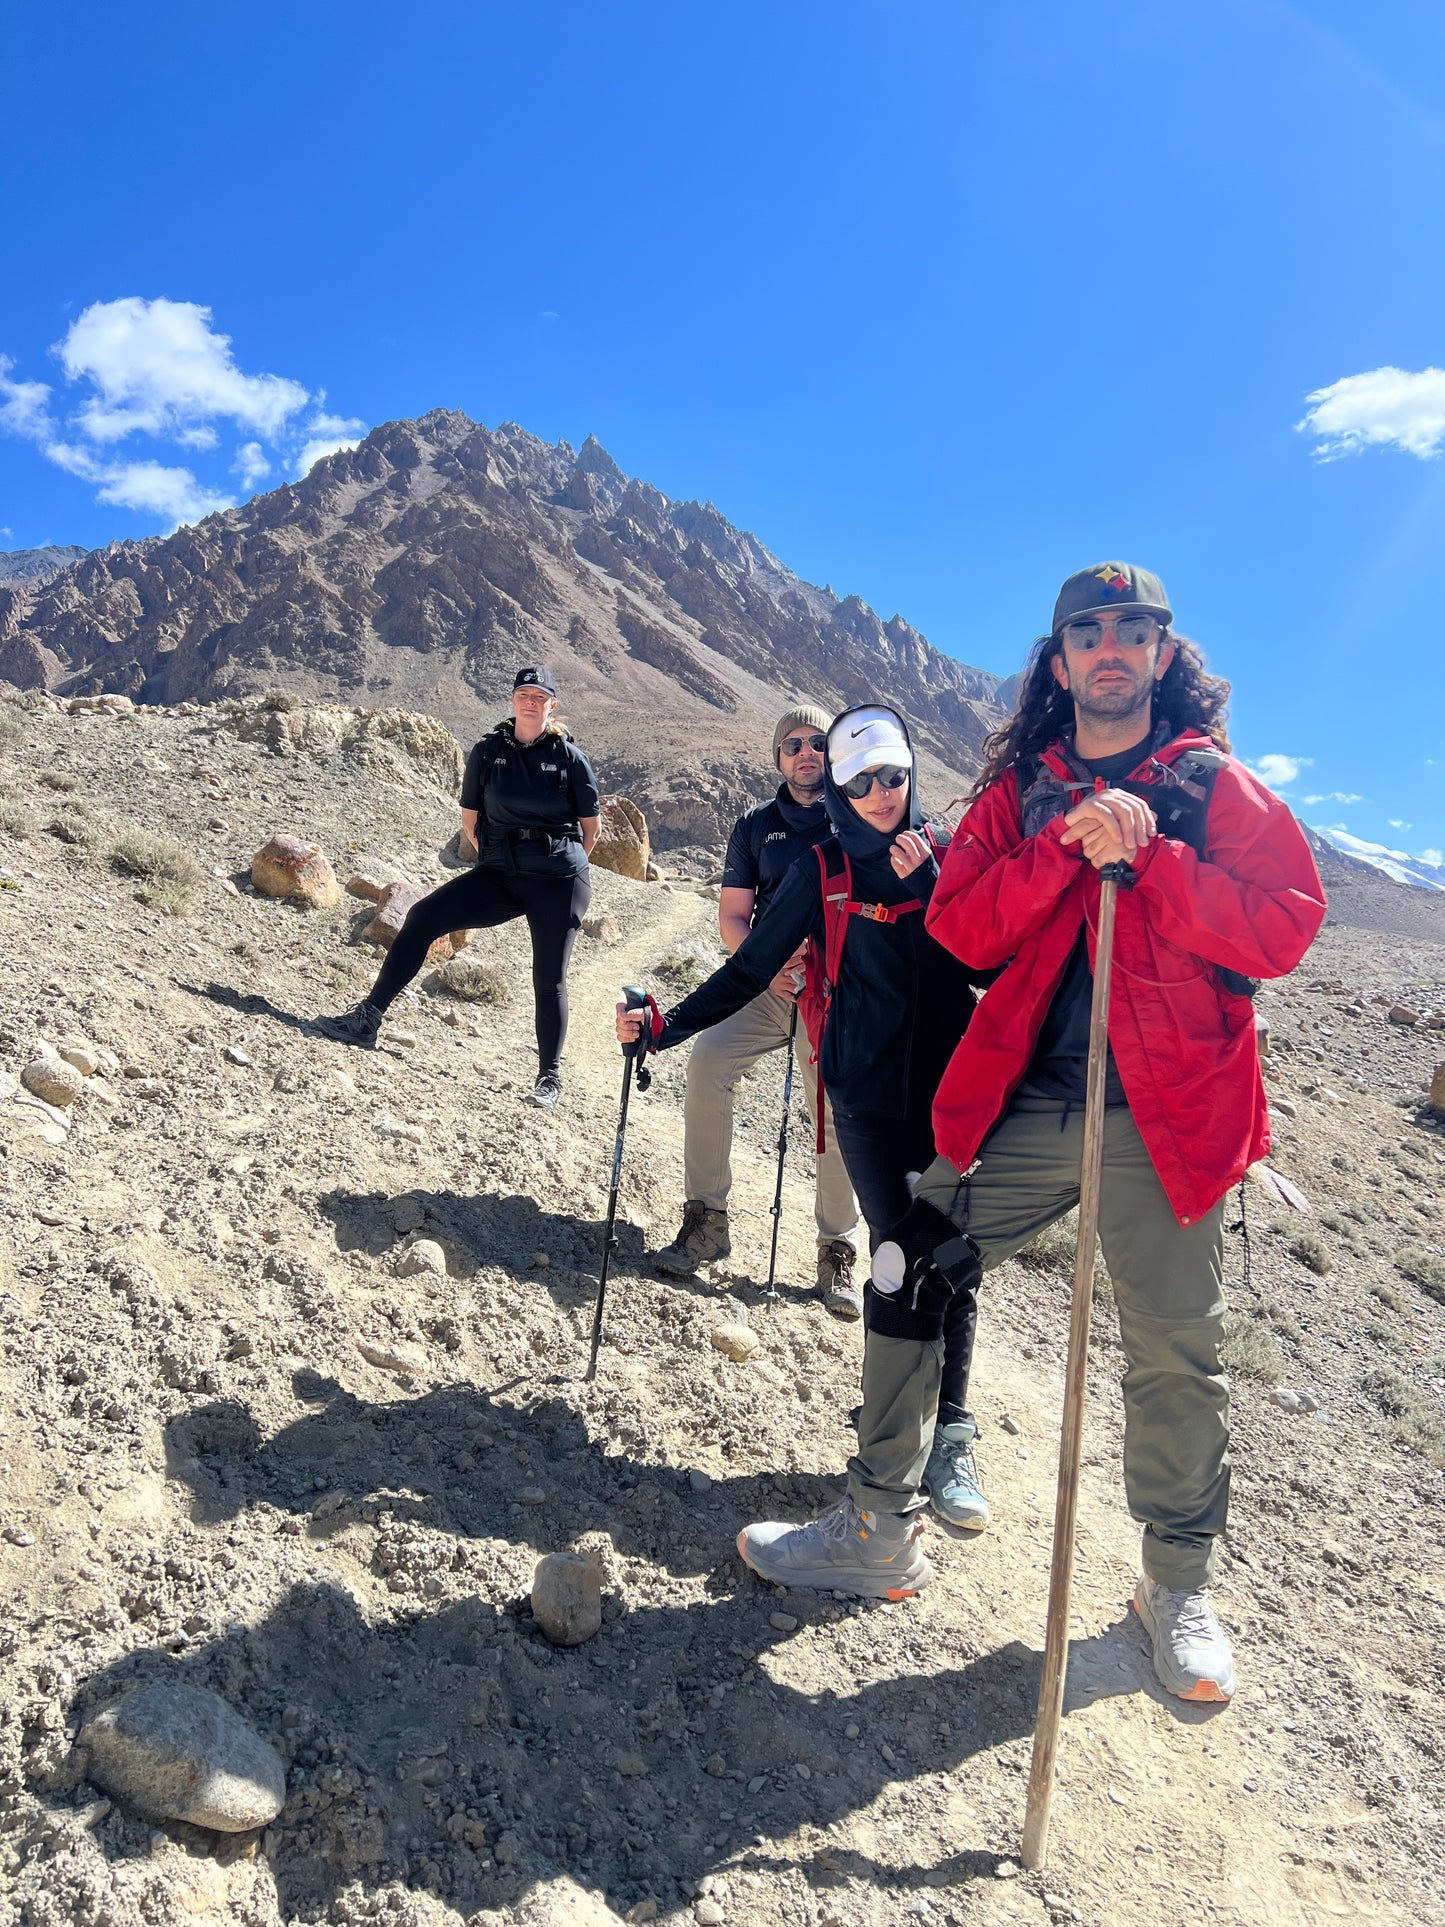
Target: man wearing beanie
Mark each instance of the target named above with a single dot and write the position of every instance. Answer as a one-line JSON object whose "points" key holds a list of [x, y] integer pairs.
{"points": [[764, 844], [1117, 753]]}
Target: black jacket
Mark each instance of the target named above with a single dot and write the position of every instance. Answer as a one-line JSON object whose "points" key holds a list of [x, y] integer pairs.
{"points": [[529, 799], [767, 841], [901, 1002]]}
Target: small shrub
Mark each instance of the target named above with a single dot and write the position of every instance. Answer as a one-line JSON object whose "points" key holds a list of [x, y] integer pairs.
{"points": [[165, 894], [1281, 1319], [1384, 1335], [61, 780], [16, 820], [280, 699], [1249, 1351], [1423, 1268], [683, 971], [1362, 1210], [141, 853], [75, 825], [12, 730], [1388, 1296], [1392, 1392], [469, 977], [1312, 1251]]}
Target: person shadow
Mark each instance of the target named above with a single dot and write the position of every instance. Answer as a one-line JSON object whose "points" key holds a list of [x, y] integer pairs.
{"points": [[447, 1748]]}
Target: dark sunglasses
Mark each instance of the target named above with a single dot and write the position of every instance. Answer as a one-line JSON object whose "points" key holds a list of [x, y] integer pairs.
{"points": [[794, 745], [888, 778]]}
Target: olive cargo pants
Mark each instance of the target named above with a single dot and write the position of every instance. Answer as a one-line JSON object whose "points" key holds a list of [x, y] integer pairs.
{"points": [[721, 1056], [1168, 1285]]}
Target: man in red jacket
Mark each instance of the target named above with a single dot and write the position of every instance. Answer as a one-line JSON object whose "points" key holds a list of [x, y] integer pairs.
{"points": [[1117, 753]]}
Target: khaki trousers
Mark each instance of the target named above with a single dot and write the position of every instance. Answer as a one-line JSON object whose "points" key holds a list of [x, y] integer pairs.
{"points": [[721, 1056], [1168, 1285]]}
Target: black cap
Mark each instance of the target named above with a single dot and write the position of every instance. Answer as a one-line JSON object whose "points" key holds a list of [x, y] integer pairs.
{"points": [[1110, 586], [535, 679]]}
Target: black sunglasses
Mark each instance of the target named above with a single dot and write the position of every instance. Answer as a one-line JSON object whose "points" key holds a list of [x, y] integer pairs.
{"points": [[890, 777], [794, 745]]}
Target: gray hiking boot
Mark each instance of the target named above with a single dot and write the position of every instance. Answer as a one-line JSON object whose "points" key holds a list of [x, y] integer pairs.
{"points": [[1191, 1650], [837, 1287], [358, 1026], [703, 1237], [950, 1477], [546, 1091], [873, 1554]]}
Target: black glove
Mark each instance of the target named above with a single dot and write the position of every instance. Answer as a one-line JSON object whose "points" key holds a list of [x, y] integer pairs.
{"points": [[921, 1264]]}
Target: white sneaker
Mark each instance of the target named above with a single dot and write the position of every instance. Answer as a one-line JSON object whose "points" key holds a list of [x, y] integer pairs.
{"points": [[1191, 1650]]}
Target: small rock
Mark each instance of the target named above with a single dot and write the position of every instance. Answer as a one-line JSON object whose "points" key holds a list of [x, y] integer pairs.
{"points": [[531, 1495], [49, 1077], [177, 1752], [1403, 1014], [602, 929], [567, 1597], [394, 1127], [233, 1054], [707, 1912], [851, 1730], [782, 1622], [407, 1214], [369, 889], [716, 1767], [699, 1481], [632, 1766], [343, 1081], [426, 1255], [508, 1850], [288, 866], [84, 1057], [1007, 1870], [1117, 1797], [734, 1340], [757, 1783], [770, 1373], [1282, 1107], [1307, 1402], [408, 1361], [644, 1910], [392, 909], [539, 1261], [1436, 1020], [1286, 1400], [18, 1536], [403, 1039], [1437, 1091], [1011, 1425]]}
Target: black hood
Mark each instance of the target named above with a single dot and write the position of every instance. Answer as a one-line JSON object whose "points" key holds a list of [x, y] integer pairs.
{"points": [[858, 838]]}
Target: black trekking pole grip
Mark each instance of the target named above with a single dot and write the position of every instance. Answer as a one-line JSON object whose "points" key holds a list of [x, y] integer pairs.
{"points": [[633, 1055]]}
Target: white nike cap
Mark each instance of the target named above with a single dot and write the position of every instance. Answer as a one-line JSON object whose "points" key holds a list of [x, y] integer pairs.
{"points": [[867, 739]]}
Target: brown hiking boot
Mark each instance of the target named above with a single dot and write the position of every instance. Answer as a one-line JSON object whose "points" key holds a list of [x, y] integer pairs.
{"points": [[703, 1237], [836, 1286]]}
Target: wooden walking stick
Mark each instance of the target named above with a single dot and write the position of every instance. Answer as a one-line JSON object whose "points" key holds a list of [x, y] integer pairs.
{"points": [[1061, 1574]]}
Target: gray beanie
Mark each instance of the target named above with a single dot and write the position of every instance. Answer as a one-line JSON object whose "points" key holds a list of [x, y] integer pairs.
{"points": [[801, 716]]}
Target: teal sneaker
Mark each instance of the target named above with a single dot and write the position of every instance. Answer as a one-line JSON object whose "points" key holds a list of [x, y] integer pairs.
{"points": [[950, 1477]]}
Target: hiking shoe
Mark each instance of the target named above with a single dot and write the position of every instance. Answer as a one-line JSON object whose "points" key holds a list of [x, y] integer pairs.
{"points": [[1191, 1649], [546, 1091], [950, 1477], [703, 1237], [873, 1554], [836, 1286], [358, 1025]]}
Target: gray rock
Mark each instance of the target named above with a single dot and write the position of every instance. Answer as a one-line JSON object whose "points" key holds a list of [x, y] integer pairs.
{"points": [[49, 1077], [176, 1752], [1286, 1400], [567, 1598], [699, 1481], [707, 1912], [426, 1255], [783, 1622]]}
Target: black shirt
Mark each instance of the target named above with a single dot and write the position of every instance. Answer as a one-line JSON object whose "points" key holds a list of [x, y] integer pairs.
{"points": [[1061, 1056], [530, 799], [767, 841]]}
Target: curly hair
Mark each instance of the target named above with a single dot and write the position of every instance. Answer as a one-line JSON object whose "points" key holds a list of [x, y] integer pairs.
{"points": [[1186, 697]]}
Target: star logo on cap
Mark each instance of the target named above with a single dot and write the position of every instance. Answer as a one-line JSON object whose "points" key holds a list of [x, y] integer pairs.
{"points": [[1114, 579]]}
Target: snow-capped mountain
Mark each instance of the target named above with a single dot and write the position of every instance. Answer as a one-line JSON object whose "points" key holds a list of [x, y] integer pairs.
{"points": [[1391, 863]]}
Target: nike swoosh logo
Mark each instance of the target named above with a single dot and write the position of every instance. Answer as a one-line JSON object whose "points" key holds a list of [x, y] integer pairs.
{"points": [[861, 728]]}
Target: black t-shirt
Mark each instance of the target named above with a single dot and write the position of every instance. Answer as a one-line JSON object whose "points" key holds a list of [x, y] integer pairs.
{"points": [[1061, 1056], [531, 803], [767, 841]]}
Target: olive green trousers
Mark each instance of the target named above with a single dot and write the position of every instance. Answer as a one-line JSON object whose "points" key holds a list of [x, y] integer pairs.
{"points": [[1168, 1286]]}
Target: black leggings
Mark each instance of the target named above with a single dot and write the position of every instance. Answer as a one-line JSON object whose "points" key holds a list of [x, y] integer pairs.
{"points": [[879, 1152], [553, 906]]}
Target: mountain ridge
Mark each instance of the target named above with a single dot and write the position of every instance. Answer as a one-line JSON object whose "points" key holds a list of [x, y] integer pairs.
{"points": [[420, 567]]}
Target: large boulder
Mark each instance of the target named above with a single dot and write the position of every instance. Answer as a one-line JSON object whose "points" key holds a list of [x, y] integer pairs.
{"points": [[178, 1752], [289, 866], [622, 845], [393, 904]]}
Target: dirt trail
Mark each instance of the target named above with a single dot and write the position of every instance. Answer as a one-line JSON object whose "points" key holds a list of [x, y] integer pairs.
{"points": [[202, 1474]]}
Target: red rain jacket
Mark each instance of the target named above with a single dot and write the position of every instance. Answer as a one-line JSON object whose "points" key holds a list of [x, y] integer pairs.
{"points": [[1184, 1046]]}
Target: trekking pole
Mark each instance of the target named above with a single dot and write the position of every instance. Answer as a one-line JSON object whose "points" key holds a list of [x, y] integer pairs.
{"points": [[771, 1294], [631, 1054], [1071, 1441]]}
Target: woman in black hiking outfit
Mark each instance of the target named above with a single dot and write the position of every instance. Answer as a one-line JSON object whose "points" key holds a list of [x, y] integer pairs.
{"points": [[899, 1004], [530, 804]]}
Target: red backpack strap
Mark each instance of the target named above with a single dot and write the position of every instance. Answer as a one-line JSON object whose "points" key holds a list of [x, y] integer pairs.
{"points": [[836, 884]]}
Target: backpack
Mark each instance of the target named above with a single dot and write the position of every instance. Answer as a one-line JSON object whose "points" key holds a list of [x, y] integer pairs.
{"points": [[1177, 792], [496, 747], [822, 965]]}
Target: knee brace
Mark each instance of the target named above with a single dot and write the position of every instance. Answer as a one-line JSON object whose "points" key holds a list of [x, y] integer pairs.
{"points": [[921, 1264]]}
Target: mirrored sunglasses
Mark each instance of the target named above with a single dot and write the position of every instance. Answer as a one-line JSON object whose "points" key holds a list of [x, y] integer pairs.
{"points": [[890, 777], [1132, 631], [794, 745]]}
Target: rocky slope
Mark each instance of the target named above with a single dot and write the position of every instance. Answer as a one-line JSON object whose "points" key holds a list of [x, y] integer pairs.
{"points": [[421, 567], [252, 1439], [32, 568]]}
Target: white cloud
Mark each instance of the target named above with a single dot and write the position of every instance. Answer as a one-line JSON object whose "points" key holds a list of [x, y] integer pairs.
{"points": [[251, 465], [1437, 857], [24, 405], [1396, 824], [1386, 407], [1335, 796], [159, 367], [174, 494], [1278, 771], [327, 435]]}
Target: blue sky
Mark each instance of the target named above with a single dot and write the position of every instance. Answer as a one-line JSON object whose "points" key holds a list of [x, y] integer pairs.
{"points": [[941, 301]]}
